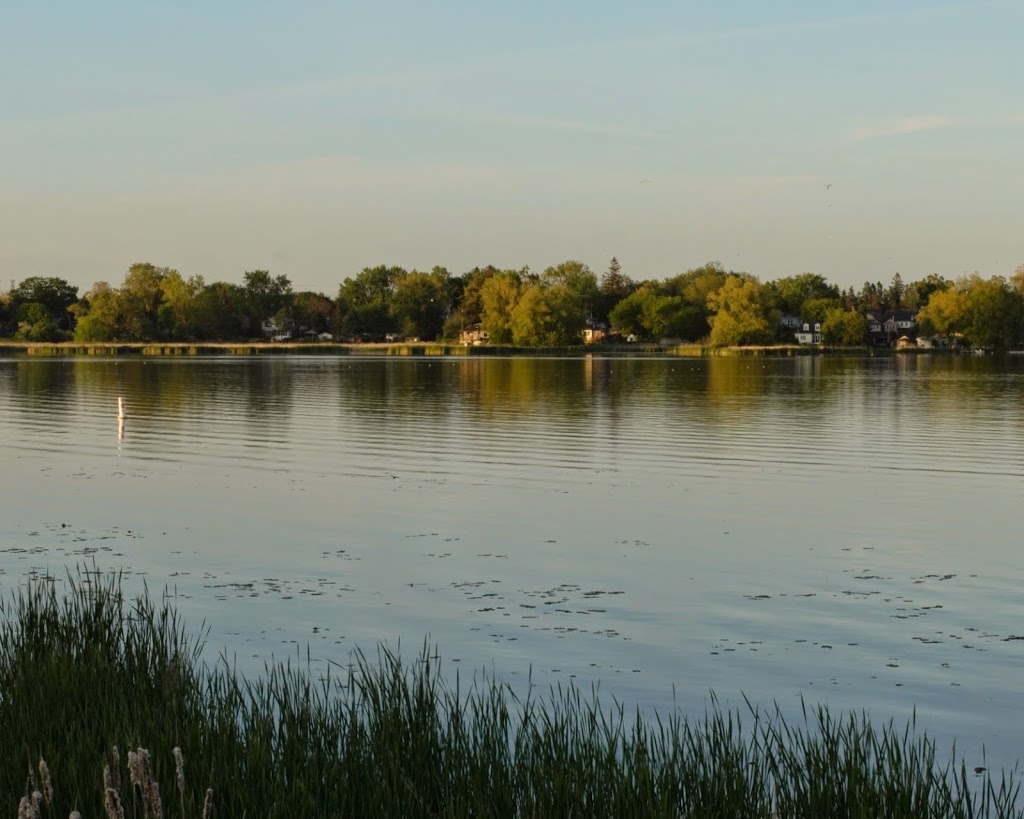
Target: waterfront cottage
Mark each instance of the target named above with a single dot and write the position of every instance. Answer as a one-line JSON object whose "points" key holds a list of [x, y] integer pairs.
{"points": [[475, 334]]}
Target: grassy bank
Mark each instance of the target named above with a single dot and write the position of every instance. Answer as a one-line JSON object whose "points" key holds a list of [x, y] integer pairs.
{"points": [[73, 349], [88, 670]]}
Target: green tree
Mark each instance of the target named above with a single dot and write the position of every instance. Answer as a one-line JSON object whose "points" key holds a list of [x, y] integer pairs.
{"points": [[141, 295], [365, 302], [220, 312], [896, 294], [55, 295], [740, 314], [988, 313], [100, 317], [628, 317], [671, 317], [265, 296], [697, 284], [994, 314], [499, 296], [871, 297], [816, 309], [579, 282], [615, 286], [177, 313], [947, 313], [919, 292], [845, 328], [314, 311], [695, 287], [790, 294], [419, 305], [470, 306], [36, 324], [547, 316]]}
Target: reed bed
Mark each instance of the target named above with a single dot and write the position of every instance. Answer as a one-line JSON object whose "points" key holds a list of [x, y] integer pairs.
{"points": [[87, 671]]}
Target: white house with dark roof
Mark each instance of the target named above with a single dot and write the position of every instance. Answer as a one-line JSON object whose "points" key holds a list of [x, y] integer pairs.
{"points": [[809, 333], [885, 326]]}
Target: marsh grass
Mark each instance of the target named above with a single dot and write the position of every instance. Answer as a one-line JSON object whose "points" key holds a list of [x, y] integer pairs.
{"points": [[87, 670]]}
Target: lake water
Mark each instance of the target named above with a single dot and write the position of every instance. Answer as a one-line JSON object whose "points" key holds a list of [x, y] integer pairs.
{"points": [[846, 530]]}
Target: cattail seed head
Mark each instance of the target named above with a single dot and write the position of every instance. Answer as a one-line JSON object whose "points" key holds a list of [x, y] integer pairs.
{"points": [[74, 815], [112, 802], [25, 808], [37, 798], [44, 776], [148, 785], [134, 773], [115, 768], [208, 804], [179, 770]]}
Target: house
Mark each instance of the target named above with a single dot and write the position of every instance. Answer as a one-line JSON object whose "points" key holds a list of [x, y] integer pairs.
{"points": [[474, 335], [886, 326], [594, 332], [788, 321], [906, 343], [809, 333]]}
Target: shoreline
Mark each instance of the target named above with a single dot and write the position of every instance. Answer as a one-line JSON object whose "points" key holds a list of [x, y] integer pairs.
{"points": [[72, 349]]}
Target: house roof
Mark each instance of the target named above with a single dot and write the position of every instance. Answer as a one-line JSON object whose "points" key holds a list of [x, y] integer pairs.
{"points": [[883, 316]]}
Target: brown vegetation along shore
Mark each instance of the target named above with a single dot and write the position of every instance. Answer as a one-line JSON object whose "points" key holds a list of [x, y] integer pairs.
{"points": [[256, 348]]}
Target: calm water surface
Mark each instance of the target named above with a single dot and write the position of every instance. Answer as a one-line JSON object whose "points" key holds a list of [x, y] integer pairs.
{"points": [[845, 530]]}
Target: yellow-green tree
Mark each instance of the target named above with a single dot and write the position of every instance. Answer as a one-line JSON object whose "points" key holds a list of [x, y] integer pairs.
{"points": [[499, 296], [740, 315], [141, 295], [99, 313], [846, 328], [987, 313], [178, 305], [547, 316]]}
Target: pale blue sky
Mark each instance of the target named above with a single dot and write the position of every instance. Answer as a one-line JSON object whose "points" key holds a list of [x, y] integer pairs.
{"points": [[316, 138]]}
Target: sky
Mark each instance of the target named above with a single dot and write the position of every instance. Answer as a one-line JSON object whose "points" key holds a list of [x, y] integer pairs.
{"points": [[850, 139]]}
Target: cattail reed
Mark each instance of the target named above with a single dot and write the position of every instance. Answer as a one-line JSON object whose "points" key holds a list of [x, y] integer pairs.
{"points": [[115, 768], [147, 784], [393, 739], [179, 770], [112, 803], [44, 777], [134, 773]]}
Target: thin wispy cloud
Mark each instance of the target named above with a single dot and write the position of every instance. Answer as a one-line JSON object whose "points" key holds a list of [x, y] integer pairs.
{"points": [[318, 92], [841, 21], [932, 122], [577, 126], [902, 127], [811, 24]]}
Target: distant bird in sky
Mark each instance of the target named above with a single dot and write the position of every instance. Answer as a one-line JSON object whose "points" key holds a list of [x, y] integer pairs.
{"points": [[829, 185], [644, 181]]}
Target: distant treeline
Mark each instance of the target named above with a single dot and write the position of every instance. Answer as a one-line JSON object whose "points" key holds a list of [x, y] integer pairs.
{"points": [[707, 304]]}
